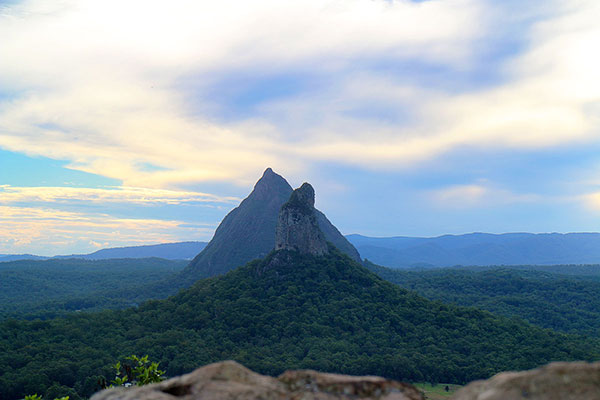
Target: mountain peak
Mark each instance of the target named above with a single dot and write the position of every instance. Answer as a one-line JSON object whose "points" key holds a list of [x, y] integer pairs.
{"points": [[297, 226], [268, 171], [271, 183], [248, 231]]}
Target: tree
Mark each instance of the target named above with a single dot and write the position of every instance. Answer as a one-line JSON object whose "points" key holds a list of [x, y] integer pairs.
{"points": [[136, 371]]}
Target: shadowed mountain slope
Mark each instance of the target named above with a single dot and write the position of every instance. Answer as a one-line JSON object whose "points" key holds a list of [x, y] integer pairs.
{"points": [[248, 231]]}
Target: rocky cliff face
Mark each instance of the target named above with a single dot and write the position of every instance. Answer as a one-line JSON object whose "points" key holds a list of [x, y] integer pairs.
{"points": [[248, 231], [297, 226], [229, 380]]}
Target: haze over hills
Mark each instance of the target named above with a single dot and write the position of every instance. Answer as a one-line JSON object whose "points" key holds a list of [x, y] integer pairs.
{"points": [[480, 249]]}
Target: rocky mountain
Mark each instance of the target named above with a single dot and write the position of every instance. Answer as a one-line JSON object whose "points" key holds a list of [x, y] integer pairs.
{"points": [[297, 226], [480, 249], [248, 231]]}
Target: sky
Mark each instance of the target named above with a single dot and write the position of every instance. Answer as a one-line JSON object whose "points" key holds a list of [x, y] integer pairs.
{"points": [[141, 122]]}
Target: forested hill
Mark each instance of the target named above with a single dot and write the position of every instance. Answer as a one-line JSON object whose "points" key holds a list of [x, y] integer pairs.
{"points": [[43, 289], [285, 311], [567, 303], [480, 249]]}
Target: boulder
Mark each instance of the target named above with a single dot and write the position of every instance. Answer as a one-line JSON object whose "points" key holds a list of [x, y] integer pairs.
{"points": [[555, 381], [229, 380]]}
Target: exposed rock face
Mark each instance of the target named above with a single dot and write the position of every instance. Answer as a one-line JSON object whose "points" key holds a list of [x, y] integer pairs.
{"points": [[297, 226], [556, 381], [248, 231], [229, 380]]}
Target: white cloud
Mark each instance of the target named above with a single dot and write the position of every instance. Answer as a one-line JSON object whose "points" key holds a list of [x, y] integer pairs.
{"points": [[480, 194], [131, 195], [47, 231], [94, 81], [591, 201], [99, 83]]}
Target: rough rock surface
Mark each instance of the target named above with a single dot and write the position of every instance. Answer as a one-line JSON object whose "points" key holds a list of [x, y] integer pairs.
{"points": [[297, 226], [555, 381], [229, 380], [248, 231]]}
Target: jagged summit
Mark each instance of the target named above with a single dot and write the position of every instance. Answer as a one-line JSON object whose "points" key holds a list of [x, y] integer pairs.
{"points": [[248, 231], [270, 183], [297, 226]]}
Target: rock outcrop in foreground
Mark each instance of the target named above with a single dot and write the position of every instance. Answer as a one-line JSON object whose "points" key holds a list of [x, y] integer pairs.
{"points": [[297, 226], [556, 381], [229, 380]]}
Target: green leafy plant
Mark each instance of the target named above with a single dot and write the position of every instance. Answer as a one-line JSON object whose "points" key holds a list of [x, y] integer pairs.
{"points": [[136, 371], [38, 397]]}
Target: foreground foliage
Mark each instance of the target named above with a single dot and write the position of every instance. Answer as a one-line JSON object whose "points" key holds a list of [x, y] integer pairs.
{"points": [[136, 371], [325, 313]]}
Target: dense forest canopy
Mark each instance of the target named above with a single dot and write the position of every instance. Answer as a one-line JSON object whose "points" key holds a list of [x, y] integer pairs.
{"points": [[566, 303], [327, 313], [44, 289]]}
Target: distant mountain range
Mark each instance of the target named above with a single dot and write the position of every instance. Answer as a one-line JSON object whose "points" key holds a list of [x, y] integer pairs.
{"points": [[480, 249], [169, 251], [405, 251]]}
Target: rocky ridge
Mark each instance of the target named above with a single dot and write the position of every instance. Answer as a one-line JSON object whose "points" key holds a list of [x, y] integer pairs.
{"points": [[248, 231], [297, 227], [229, 380]]}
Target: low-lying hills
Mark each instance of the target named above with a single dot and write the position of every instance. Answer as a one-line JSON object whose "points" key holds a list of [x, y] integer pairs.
{"points": [[305, 305], [168, 251], [480, 249], [563, 303], [43, 289], [248, 231]]}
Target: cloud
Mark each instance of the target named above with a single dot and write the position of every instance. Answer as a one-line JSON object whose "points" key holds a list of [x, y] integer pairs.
{"points": [[97, 82], [481, 194], [55, 220], [112, 86], [48, 231], [130, 195], [591, 201]]}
